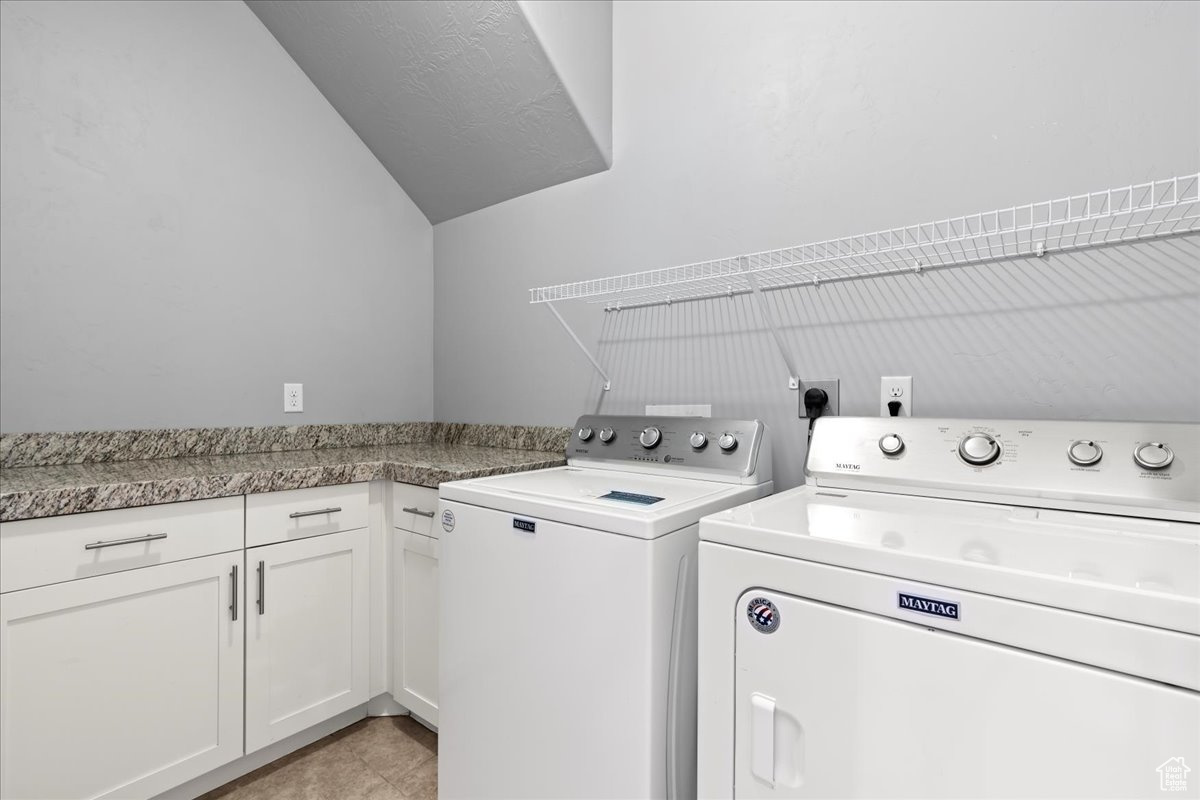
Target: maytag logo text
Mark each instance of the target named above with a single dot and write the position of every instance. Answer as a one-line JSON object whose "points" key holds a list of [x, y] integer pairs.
{"points": [[926, 605]]}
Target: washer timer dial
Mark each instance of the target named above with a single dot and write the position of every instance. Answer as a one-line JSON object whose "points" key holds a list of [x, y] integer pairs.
{"points": [[891, 444], [607, 435], [728, 442], [979, 449], [650, 437], [698, 440]]}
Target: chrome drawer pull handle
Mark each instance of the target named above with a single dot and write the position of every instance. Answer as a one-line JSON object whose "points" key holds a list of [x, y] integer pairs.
{"points": [[262, 588], [415, 510], [233, 591], [135, 540], [298, 514]]}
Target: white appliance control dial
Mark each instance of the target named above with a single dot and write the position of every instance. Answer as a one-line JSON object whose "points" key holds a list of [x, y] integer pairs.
{"points": [[979, 449], [1084, 452], [683, 446], [891, 444], [585, 434], [650, 437], [1153, 455]]}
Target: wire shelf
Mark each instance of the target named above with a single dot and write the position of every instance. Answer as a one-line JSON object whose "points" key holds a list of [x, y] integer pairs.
{"points": [[1169, 207]]}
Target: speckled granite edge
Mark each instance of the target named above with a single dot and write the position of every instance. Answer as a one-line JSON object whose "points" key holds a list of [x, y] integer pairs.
{"points": [[515, 437], [33, 504], [89, 447]]}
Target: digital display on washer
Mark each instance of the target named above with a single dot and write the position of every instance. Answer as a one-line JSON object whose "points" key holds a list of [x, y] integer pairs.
{"points": [[630, 497]]}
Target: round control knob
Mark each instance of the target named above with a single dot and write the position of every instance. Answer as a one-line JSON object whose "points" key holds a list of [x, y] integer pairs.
{"points": [[1084, 452], [979, 449], [699, 440], [891, 444], [727, 442], [585, 434], [650, 437], [607, 435], [1153, 455]]}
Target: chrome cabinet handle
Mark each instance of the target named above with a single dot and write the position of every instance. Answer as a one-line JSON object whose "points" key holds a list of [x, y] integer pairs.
{"points": [[415, 510], [233, 587], [262, 588], [135, 540], [298, 514]]}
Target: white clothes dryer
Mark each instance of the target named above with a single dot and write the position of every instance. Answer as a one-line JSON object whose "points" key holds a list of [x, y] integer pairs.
{"points": [[956, 608]]}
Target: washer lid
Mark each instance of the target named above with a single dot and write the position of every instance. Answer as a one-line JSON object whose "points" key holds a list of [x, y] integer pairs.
{"points": [[646, 506], [1137, 570]]}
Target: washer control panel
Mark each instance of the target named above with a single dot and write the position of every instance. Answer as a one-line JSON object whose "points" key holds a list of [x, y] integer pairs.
{"points": [[709, 448], [1143, 468]]}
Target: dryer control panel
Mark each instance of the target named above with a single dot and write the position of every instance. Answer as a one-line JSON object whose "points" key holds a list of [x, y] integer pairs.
{"points": [[1145, 469], [731, 450]]}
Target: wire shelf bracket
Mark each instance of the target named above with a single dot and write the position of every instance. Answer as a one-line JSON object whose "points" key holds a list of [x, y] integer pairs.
{"points": [[768, 319], [579, 343], [1137, 212]]}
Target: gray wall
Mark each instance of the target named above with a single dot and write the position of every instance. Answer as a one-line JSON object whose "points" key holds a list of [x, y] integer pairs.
{"points": [[747, 126], [187, 224], [577, 37]]}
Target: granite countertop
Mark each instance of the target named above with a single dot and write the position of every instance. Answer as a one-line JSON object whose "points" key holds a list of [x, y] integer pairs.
{"points": [[46, 491]]}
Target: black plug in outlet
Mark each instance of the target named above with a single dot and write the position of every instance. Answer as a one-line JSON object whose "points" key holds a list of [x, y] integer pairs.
{"points": [[832, 391]]}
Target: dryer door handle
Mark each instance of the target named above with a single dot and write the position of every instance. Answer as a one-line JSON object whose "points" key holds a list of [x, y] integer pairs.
{"points": [[762, 737]]}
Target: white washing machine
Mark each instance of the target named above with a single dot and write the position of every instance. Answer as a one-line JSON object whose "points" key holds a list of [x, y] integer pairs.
{"points": [[960, 609], [568, 611]]}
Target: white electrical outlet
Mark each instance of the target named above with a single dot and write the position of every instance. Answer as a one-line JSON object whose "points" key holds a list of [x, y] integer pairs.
{"points": [[293, 397], [896, 389]]}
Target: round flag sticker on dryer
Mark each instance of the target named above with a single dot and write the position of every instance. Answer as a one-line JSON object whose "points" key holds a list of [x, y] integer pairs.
{"points": [[447, 520], [763, 615]]}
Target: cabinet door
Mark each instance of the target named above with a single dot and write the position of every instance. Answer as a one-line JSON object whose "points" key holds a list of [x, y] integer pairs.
{"points": [[415, 660], [307, 635], [121, 685]]}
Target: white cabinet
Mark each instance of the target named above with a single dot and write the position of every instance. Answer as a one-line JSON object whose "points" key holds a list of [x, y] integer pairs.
{"points": [[307, 648], [300, 513], [121, 685], [414, 508], [36, 552], [415, 611]]}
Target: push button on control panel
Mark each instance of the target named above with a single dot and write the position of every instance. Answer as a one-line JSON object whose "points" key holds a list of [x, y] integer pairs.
{"points": [[1153, 455], [1084, 452]]}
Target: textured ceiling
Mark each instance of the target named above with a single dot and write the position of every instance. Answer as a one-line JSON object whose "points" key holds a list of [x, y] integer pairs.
{"points": [[458, 100]]}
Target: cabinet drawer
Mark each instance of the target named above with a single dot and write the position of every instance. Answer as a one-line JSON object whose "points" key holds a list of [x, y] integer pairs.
{"points": [[283, 516], [414, 508], [36, 552]]}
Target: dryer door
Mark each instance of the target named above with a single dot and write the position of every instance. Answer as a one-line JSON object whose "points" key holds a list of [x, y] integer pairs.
{"points": [[832, 702]]}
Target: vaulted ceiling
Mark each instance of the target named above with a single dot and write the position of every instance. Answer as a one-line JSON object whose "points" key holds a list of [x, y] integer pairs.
{"points": [[461, 101]]}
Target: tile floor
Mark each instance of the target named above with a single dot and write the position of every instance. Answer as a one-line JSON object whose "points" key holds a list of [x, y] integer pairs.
{"points": [[381, 758]]}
